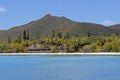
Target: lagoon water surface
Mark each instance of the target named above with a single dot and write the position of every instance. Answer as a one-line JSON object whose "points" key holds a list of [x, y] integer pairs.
{"points": [[59, 67]]}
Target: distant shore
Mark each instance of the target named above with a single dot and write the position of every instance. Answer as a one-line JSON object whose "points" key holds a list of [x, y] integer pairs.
{"points": [[69, 54]]}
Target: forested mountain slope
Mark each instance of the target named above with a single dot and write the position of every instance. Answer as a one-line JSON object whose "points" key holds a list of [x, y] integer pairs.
{"points": [[46, 25]]}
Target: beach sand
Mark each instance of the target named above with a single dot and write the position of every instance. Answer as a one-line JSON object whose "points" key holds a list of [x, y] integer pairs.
{"points": [[77, 54]]}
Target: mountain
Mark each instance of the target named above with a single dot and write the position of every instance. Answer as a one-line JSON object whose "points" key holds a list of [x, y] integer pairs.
{"points": [[116, 26], [46, 25]]}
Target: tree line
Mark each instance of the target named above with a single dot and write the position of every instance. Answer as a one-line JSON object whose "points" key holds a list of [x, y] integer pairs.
{"points": [[70, 43]]}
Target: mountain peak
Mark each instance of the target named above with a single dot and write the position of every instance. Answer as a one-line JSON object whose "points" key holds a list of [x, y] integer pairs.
{"points": [[48, 15]]}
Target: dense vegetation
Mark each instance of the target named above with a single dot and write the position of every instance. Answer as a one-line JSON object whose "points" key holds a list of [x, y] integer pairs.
{"points": [[71, 44]]}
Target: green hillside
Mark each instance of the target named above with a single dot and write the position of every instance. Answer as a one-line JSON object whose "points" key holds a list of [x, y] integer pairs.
{"points": [[46, 25]]}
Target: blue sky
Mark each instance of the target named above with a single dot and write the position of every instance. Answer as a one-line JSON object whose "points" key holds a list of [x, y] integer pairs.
{"points": [[19, 12]]}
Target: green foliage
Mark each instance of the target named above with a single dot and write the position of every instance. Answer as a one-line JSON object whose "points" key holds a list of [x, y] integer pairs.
{"points": [[53, 48], [24, 35], [115, 46], [93, 46], [86, 41], [107, 47], [71, 44], [28, 35], [9, 39], [3, 47], [17, 47]]}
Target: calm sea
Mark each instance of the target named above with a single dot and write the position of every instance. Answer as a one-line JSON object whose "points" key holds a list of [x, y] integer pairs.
{"points": [[59, 67]]}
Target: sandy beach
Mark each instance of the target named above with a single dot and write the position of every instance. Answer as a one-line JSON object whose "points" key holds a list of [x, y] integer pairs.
{"points": [[77, 54]]}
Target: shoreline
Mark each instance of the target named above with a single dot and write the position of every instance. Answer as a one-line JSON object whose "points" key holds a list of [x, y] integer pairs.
{"points": [[61, 54]]}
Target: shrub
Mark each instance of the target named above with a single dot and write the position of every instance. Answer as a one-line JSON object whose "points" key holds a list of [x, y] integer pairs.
{"points": [[107, 47], [87, 48], [17, 47], [53, 48]]}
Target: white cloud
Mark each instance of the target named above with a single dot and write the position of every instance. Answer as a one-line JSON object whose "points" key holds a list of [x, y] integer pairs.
{"points": [[2, 9], [108, 23]]}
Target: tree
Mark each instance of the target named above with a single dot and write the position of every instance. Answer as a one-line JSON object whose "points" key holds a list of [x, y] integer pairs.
{"points": [[18, 40], [20, 36], [75, 35], [9, 39], [68, 36], [88, 34], [101, 42], [27, 37], [17, 47], [59, 34], [117, 34], [24, 35], [53, 48], [53, 33], [107, 47]]}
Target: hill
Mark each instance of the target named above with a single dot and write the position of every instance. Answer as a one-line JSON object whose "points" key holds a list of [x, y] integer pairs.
{"points": [[46, 25], [116, 26]]}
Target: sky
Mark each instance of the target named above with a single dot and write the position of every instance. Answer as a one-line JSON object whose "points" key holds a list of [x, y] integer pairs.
{"points": [[18, 12]]}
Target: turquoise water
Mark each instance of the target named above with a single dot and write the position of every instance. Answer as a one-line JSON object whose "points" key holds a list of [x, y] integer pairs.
{"points": [[59, 67]]}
